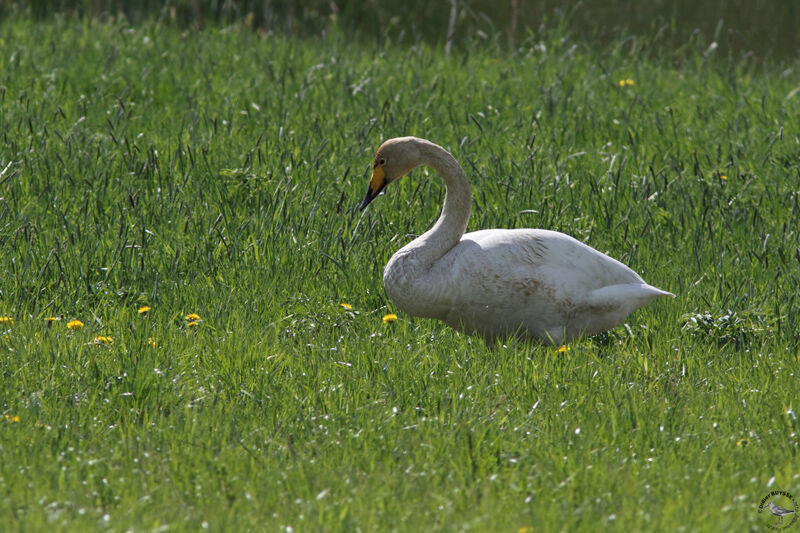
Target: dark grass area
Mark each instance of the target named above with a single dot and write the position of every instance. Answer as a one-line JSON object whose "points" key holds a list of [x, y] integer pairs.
{"points": [[766, 30]]}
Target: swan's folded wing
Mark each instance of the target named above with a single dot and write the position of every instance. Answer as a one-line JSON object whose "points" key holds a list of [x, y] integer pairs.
{"points": [[551, 258]]}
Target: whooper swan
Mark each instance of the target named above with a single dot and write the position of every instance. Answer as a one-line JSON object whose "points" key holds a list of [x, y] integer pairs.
{"points": [[533, 283]]}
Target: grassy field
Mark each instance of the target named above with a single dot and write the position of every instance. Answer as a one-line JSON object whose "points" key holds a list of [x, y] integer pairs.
{"points": [[218, 172]]}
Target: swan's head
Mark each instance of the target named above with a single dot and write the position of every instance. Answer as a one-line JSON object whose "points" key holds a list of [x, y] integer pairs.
{"points": [[395, 158]]}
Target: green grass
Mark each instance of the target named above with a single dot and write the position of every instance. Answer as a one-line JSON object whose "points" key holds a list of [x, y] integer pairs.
{"points": [[219, 173]]}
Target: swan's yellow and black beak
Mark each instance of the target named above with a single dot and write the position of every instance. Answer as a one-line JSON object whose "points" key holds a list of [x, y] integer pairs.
{"points": [[376, 184]]}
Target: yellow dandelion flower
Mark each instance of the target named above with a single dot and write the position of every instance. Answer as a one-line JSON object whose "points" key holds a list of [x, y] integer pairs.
{"points": [[724, 178], [192, 317], [6, 320], [389, 318], [742, 442], [74, 324], [152, 342], [103, 340], [622, 83], [629, 82], [13, 418], [193, 323], [347, 307], [51, 319], [143, 309], [563, 348]]}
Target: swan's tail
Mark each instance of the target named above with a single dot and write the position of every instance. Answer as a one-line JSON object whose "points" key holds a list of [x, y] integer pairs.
{"points": [[628, 296], [654, 292]]}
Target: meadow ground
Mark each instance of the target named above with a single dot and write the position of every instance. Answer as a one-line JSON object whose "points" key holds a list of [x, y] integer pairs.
{"points": [[218, 172]]}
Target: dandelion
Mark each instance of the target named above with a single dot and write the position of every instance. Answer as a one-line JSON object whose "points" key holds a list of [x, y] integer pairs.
{"points": [[742, 442], [347, 307], [143, 309], [6, 320], [152, 342], [51, 319], [626, 83], [102, 340], [723, 178], [75, 324], [13, 418], [193, 320], [389, 318], [563, 348]]}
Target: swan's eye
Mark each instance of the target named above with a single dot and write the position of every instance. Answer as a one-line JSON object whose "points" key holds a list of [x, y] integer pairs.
{"points": [[382, 162]]}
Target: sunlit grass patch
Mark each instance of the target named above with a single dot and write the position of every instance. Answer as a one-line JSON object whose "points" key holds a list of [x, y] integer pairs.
{"points": [[739, 328]]}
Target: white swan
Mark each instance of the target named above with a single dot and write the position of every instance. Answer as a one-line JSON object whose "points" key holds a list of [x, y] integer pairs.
{"points": [[533, 283]]}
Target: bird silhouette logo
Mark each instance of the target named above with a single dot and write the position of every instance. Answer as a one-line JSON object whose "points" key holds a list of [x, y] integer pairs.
{"points": [[782, 509]]}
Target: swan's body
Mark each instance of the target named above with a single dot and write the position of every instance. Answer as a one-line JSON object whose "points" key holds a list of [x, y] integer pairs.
{"points": [[528, 282]]}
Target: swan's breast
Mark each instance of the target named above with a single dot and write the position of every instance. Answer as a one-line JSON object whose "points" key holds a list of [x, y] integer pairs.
{"points": [[408, 284]]}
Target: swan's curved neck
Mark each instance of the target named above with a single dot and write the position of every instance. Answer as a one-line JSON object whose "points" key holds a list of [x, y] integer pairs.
{"points": [[452, 222]]}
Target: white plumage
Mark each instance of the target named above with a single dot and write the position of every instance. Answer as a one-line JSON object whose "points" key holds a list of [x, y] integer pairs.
{"points": [[532, 283]]}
